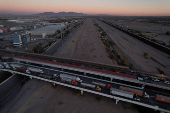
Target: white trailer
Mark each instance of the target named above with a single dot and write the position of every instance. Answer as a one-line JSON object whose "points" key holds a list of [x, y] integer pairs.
{"points": [[12, 29], [1, 31], [63, 79], [15, 66], [121, 93], [71, 77], [99, 84], [35, 70], [88, 85]]}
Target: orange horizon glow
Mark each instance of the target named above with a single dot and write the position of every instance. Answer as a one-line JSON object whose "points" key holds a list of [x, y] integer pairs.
{"points": [[110, 7]]}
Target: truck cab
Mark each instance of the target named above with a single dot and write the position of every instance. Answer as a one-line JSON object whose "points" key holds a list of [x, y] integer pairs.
{"points": [[98, 88], [6, 66], [78, 79], [146, 95], [41, 71], [27, 71]]}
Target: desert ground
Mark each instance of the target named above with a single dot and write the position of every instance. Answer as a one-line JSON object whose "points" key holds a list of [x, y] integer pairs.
{"points": [[85, 45], [40, 97], [133, 50], [153, 30]]}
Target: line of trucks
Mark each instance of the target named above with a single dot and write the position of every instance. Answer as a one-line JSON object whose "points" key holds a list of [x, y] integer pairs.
{"points": [[122, 91], [20, 68]]}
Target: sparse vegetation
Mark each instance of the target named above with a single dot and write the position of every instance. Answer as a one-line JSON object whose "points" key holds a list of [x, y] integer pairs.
{"points": [[98, 99]]}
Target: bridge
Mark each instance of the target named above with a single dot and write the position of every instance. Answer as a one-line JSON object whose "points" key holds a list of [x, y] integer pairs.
{"points": [[90, 72]]}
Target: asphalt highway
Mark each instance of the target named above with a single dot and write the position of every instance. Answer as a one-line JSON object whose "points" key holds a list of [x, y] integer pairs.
{"points": [[151, 101]]}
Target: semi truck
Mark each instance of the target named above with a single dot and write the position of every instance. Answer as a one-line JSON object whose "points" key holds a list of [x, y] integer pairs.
{"points": [[15, 66], [23, 70], [163, 98], [135, 91], [71, 77], [37, 70], [124, 94], [6, 66], [91, 86], [108, 86], [45, 76], [99, 84], [69, 80]]}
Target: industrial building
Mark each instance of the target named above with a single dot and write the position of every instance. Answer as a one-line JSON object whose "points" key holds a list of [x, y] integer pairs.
{"points": [[19, 40], [45, 31]]}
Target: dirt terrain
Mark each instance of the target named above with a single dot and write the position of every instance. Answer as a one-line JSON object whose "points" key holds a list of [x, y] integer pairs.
{"points": [[134, 49], [40, 97], [85, 45], [153, 30]]}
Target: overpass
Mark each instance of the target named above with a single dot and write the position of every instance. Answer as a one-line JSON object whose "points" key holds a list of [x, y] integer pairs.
{"points": [[90, 74]]}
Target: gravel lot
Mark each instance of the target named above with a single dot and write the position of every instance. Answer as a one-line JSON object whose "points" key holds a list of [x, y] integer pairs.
{"points": [[85, 45]]}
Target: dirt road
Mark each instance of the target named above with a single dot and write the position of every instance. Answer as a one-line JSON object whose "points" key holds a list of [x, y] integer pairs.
{"points": [[85, 45]]}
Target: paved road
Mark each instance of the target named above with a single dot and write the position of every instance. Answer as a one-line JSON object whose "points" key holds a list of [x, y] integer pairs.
{"points": [[87, 79], [11, 88]]}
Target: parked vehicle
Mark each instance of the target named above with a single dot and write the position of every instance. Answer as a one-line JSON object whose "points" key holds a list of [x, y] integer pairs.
{"points": [[15, 66], [69, 80], [37, 70], [71, 77], [91, 86], [23, 70], [124, 94], [163, 98], [135, 91], [6, 66]]}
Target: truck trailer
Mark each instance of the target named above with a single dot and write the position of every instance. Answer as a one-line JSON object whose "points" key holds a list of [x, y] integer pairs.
{"points": [[71, 77], [135, 91], [99, 84], [45, 76], [15, 66], [69, 80], [23, 70], [91, 86], [123, 94], [37, 70], [163, 98]]}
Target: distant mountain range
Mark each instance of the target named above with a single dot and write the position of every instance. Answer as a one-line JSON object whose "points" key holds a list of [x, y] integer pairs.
{"points": [[61, 14]]}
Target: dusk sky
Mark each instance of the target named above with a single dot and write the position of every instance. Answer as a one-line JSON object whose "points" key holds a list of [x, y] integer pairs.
{"points": [[111, 7]]}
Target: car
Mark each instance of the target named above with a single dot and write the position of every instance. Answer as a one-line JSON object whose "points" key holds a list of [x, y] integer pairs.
{"points": [[156, 80], [166, 82]]}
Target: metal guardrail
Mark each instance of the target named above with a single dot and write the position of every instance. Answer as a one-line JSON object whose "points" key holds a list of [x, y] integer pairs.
{"points": [[90, 91]]}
